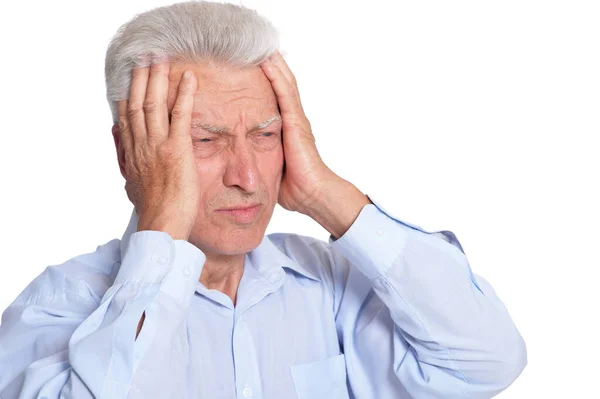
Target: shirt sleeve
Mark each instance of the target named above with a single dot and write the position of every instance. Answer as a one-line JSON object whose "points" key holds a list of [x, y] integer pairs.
{"points": [[414, 319], [55, 343]]}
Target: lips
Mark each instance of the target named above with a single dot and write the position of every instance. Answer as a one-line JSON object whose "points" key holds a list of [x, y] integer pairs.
{"points": [[241, 215], [238, 207]]}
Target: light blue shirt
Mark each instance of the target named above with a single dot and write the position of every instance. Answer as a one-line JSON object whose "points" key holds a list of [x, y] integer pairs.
{"points": [[388, 310]]}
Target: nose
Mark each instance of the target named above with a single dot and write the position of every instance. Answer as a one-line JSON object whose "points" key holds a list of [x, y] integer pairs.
{"points": [[241, 168]]}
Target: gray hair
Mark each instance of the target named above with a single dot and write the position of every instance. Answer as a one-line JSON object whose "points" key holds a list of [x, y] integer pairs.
{"points": [[194, 31]]}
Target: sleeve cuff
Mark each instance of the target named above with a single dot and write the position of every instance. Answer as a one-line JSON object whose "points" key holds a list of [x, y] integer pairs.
{"points": [[153, 257], [376, 239]]}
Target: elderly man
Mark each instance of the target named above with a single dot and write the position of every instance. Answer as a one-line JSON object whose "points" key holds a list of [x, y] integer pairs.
{"points": [[196, 302]]}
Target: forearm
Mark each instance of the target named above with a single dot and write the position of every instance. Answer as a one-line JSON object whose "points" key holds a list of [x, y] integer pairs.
{"points": [[145, 315], [460, 331], [68, 345]]}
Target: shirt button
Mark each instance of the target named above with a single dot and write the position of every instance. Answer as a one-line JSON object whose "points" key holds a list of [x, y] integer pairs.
{"points": [[161, 260], [247, 392], [273, 277], [186, 271], [379, 232]]}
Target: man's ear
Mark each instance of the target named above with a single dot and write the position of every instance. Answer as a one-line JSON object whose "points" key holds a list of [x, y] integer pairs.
{"points": [[116, 132]]}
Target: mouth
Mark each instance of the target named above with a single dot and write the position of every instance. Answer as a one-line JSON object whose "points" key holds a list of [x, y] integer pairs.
{"points": [[245, 214], [239, 208]]}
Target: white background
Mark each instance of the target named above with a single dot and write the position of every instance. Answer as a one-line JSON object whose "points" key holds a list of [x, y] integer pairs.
{"points": [[475, 116]]}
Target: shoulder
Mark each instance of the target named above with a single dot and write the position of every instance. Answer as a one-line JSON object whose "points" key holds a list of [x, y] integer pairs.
{"points": [[85, 277]]}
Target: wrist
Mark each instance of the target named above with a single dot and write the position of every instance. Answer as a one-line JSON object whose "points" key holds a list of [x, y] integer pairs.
{"points": [[165, 224], [338, 206]]}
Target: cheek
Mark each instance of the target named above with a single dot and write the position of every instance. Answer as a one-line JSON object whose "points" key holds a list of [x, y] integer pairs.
{"points": [[272, 167], [279, 158], [210, 177]]}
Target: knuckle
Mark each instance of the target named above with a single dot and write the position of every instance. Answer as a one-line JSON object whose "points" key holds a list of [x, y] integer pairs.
{"points": [[150, 105], [178, 112], [164, 151], [133, 110]]}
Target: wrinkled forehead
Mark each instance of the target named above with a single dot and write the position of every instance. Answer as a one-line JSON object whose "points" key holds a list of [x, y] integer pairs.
{"points": [[225, 89]]}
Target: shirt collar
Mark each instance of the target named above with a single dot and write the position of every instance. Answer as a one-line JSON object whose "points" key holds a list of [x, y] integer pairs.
{"points": [[267, 258]]}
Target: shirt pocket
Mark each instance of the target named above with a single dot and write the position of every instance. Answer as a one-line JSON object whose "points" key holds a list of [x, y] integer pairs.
{"points": [[323, 379]]}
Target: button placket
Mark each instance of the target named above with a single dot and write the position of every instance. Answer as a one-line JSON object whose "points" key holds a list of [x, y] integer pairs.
{"points": [[245, 362]]}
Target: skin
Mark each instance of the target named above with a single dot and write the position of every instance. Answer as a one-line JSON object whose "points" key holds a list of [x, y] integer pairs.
{"points": [[244, 167]]}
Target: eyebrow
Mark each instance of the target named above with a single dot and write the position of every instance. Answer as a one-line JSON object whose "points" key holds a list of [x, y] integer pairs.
{"points": [[216, 129]]}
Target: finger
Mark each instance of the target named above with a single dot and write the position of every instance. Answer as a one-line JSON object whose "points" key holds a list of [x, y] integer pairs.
{"points": [[277, 59], [181, 114], [135, 105], [288, 97], [125, 127], [155, 103]]}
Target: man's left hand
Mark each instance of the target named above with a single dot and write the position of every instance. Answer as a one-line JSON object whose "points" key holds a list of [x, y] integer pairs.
{"points": [[308, 186], [305, 173]]}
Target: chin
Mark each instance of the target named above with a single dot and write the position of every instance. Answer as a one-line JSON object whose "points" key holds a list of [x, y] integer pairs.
{"points": [[232, 242], [240, 242]]}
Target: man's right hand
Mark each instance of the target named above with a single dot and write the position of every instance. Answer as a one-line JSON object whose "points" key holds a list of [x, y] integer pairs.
{"points": [[160, 165]]}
